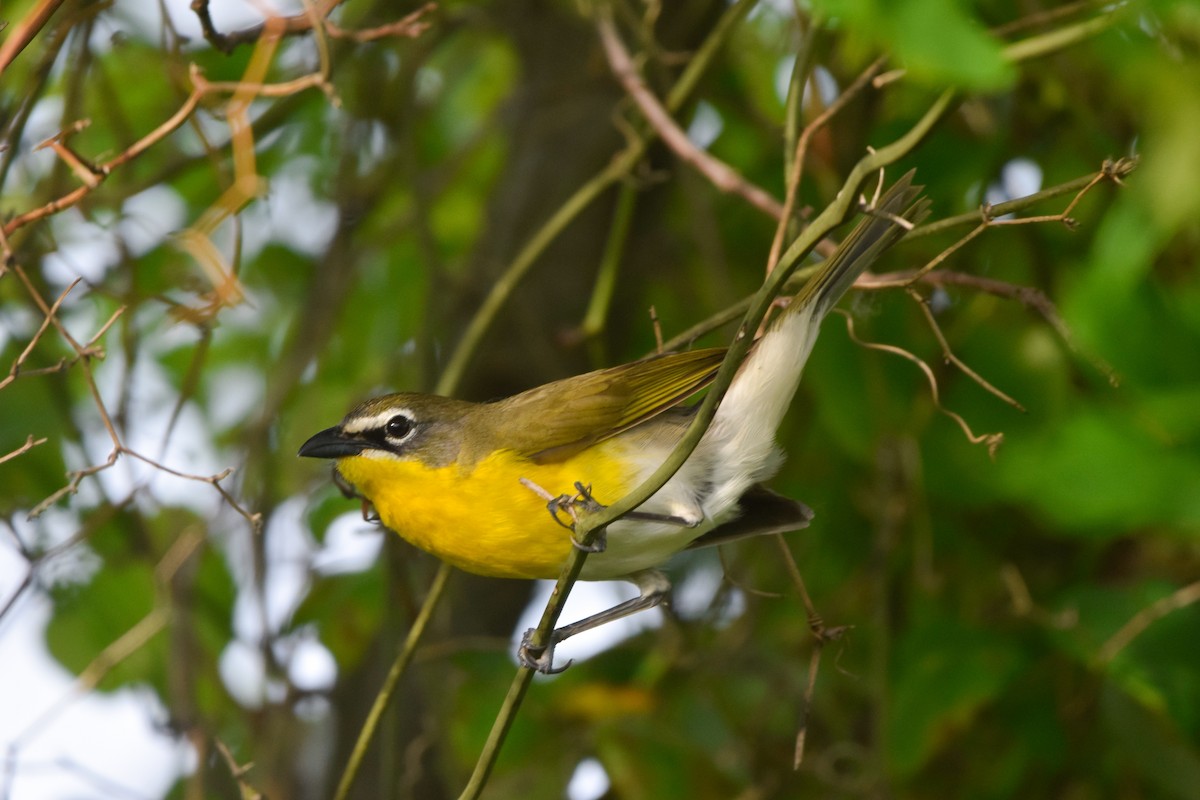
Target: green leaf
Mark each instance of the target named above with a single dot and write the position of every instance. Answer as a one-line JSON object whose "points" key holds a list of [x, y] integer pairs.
{"points": [[937, 41], [945, 674], [1096, 474]]}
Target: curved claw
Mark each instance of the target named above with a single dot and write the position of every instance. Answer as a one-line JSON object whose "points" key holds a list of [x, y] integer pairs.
{"points": [[543, 662], [599, 543]]}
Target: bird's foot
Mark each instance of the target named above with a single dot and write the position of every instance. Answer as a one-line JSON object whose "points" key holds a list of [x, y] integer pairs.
{"points": [[570, 505], [539, 659]]}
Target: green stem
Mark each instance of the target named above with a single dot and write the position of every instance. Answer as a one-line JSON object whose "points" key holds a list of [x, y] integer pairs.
{"points": [[393, 679], [805, 58], [610, 264], [1119, 169], [1059, 39]]}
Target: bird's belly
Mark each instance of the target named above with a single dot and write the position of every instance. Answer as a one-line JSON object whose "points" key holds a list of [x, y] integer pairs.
{"points": [[483, 520], [636, 545]]}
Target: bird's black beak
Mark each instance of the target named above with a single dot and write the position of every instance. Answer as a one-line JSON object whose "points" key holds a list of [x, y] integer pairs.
{"points": [[332, 443]]}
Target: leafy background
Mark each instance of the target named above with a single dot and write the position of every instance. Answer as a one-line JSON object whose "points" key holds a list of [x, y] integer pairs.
{"points": [[1019, 625]]}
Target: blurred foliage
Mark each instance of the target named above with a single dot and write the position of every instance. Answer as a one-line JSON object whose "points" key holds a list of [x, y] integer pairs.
{"points": [[988, 598]]}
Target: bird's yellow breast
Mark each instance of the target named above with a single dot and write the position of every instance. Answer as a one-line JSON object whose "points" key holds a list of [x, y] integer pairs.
{"points": [[482, 519]]}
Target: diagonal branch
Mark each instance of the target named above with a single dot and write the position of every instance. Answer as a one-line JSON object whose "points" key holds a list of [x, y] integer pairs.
{"points": [[24, 31], [723, 176]]}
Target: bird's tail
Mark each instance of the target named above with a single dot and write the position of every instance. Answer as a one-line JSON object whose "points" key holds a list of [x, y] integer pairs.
{"points": [[742, 436], [870, 238]]}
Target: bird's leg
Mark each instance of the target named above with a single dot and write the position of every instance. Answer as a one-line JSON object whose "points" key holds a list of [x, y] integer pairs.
{"points": [[642, 516], [348, 490], [654, 589], [588, 503], [583, 499], [569, 503]]}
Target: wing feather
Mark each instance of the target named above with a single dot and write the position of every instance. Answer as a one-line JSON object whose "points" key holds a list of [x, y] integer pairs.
{"points": [[561, 418]]}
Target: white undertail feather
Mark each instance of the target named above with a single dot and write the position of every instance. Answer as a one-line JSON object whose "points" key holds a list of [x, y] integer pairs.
{"points": [[739, 446], [741, 440], [737, 452]]}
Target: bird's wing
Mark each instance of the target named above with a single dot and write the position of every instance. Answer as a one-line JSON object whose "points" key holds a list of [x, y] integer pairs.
{"points": [[564, 417]]}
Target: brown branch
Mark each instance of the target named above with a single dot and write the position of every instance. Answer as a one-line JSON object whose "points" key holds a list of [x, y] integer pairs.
{"points": [[992, 440], [1043, 17], [255, 519], [228, 42], [793, 183], [410, 26], [1114, 170], [84, 353], [723, 176], [47, 311], [822, 635], [201, 88], [923, 303], [1180, 598], [89, 350], [30, 443], [47, 316], [24, 31], [85, 172], [1028, 296]]}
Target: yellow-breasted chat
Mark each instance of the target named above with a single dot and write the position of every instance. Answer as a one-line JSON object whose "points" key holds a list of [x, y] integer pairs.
{"points": [[469, 482]]}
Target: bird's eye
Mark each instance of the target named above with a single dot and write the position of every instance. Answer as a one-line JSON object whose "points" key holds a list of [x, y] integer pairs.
{"points": [[398, 427]]}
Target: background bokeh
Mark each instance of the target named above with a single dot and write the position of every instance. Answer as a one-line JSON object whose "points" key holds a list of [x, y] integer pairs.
{"points": [[322, 215]]}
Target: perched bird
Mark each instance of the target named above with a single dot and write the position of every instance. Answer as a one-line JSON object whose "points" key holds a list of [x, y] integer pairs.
{"points": [[469, 482]]}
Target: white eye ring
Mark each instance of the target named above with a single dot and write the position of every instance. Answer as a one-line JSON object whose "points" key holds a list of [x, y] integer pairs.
{"points": [[399, 427]]}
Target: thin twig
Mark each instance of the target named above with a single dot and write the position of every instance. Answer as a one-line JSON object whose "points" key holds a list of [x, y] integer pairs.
{"points": [[797, 159], [201, 88], [274, 28], [30, 443], [237, 771], [720, 174], [991, 440], [822, 634], [15, 369], [410, 26], [1180, 598], [948, 354], [23, 32]]}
